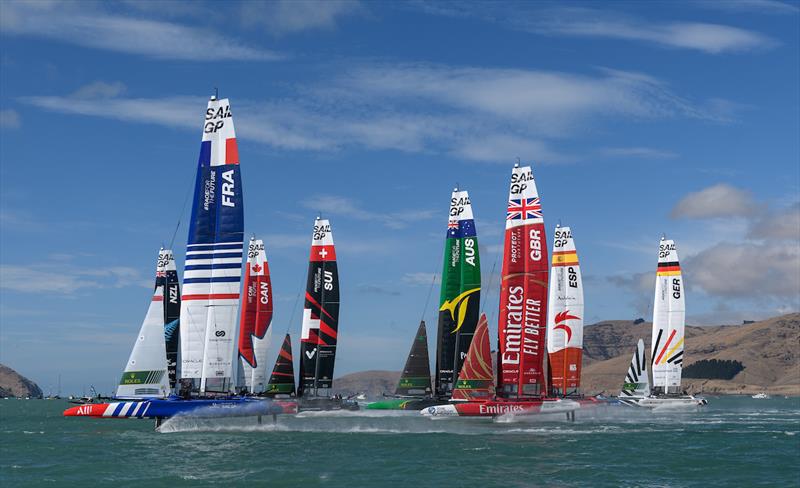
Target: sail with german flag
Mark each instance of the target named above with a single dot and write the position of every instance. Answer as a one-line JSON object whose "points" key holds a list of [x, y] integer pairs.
{"points": [[669, 315], [564, 317], [476, 378]]}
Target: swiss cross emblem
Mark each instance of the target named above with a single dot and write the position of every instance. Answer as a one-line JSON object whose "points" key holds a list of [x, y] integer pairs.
{"points": [[323, 252]]}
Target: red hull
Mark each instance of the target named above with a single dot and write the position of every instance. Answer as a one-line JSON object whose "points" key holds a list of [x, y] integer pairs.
{"points": [[494, 408]]}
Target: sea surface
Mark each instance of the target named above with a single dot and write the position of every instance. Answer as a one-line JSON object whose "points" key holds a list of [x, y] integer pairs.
{"points": [[734, 441]]}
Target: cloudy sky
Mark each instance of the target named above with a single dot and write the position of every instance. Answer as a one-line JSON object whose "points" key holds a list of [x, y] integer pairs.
{"points": [[671, 117]]}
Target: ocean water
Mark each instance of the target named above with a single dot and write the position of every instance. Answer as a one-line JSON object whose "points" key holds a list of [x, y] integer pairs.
{"points": [[732, 442]]}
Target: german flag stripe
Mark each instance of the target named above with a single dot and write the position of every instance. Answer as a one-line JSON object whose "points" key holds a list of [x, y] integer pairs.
{"points": [[668, 273], [672, 264]]}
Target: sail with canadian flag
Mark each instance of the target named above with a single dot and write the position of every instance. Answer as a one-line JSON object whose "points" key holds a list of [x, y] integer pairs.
{"points": [[565, 317], [212, 274], [320, 314], [255, 320], [523, 292]]}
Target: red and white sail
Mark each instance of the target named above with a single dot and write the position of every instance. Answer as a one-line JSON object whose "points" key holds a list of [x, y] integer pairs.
{"points": [[669, 315], [523, 293], [565, 316], [254, 323], [145, 374], [476, 378]]}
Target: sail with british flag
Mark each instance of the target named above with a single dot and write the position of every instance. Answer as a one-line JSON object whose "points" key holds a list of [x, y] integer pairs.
{"points": [[320, 314], [255, 319], [145, 374], [669, 314], [459, 301], [564, 316], [523, 292], [212, 274]]}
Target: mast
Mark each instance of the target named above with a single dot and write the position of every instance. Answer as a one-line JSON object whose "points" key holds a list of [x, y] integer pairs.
{"points": [[416, 377], [523, 291], [212, 274], [255, 319], [281, 381], [320, 313], [669, 314], [459, 302], [565, 316], [145, 374], [476, 378], [172, 310]]}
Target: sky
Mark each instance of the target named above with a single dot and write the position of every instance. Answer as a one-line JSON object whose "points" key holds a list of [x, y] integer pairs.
{"points": [[639, 119]]}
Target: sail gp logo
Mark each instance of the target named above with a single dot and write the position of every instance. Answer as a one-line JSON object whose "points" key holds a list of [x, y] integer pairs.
{"points": [[561, 323], [458, 307]]}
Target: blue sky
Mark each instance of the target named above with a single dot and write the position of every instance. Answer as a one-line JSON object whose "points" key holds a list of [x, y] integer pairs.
{"points": [[639, 119]]}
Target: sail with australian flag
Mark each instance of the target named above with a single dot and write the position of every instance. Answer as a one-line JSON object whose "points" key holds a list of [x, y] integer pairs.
{"points": [[459, 301], [212, 274], [523, 292], [320, 314], [256, 316], [565, 317]]}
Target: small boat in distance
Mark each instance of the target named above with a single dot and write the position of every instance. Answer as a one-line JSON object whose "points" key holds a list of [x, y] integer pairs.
{"points": [[760, 396]]}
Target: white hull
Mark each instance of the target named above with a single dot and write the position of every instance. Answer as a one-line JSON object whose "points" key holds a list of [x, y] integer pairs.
{"points": [[665, 402]]}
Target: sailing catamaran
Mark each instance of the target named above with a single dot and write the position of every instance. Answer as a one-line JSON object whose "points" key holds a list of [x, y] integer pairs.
{"points": [[414, 390], [281, 381], [523, 313], [209, 305], [254, 325], [168, 277], [320, 325], [666, 355]]}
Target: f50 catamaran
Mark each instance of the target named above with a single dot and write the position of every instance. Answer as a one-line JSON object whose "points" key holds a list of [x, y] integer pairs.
{"points": [[666, 355]]}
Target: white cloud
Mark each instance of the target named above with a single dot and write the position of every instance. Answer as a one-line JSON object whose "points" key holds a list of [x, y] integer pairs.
{"points": [[720, 200], [750, 6], [781, 224], [747, 270], [289, 16], [638, 153], [476, 114], [555, 20], [338, 205], [66, 279], [81, 24], [9, 119]]}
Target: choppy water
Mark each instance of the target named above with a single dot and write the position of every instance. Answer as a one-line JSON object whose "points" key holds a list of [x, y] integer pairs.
{"points": [[732, 442]]}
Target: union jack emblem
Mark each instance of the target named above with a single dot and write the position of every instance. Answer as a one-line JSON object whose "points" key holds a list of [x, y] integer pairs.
{"points": [[452, 224], [524, 208], [161, 274]]}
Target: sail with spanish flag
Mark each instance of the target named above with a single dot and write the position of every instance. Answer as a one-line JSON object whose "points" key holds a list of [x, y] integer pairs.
{"points": [[564, 317], [459, 301], [669, 315]]}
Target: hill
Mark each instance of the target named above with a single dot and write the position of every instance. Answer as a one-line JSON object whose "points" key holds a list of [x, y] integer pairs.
{"points": [[768, 349], [13, 384]]}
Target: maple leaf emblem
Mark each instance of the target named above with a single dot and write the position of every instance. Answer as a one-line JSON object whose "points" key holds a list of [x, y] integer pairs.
{"points": [[256, 268]]}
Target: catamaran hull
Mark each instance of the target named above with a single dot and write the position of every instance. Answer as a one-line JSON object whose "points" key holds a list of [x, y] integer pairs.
{"points": [[325, 404], [160, 409], [664, 402], [495, 408], [403, 404]]}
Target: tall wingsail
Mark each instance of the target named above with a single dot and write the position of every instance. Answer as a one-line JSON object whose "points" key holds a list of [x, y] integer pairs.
{"points": [[565, 316], [476, 378], [523, 292], [637, 384], [416, 377], [256, 316], [145, 374], [281, 381], [172, 310], [669, 314], [212, 274], [459, 301], [320, 314]]}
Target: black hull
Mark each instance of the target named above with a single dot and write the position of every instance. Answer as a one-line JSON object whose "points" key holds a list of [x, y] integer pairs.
{"points": [[326, 404]]}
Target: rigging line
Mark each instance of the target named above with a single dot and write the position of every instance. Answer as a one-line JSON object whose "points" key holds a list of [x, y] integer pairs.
{"points": [[294, 310], [491, 282], [181, 214], [427, 300]]}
